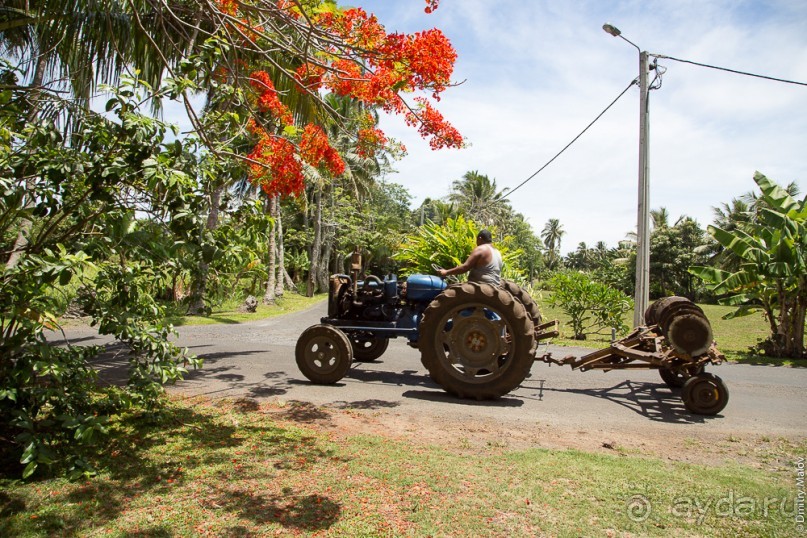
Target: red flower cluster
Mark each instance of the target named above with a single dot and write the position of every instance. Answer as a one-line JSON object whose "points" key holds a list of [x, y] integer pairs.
{"points": [[275, 169], [431, 5], [268, 100], [370, 141], [431, 122], [396, 63], [228, 7], [316, 150], [309, 76]]}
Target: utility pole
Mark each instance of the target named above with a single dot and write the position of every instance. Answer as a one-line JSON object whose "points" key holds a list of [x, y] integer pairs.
{"points": [[642, 291], [643, 225]]}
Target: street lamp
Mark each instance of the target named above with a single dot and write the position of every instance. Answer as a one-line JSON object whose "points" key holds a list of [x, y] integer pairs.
{"points": [[641, 296]]}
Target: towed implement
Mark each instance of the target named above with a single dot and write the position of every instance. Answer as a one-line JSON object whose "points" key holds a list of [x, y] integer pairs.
{"points": [[479, 341]]}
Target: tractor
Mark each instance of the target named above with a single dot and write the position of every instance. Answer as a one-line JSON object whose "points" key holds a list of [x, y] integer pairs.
{"points": [[479, 341], [476, 340]]}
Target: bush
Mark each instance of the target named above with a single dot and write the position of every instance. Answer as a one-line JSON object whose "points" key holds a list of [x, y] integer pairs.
{"points": [[594, 308]]}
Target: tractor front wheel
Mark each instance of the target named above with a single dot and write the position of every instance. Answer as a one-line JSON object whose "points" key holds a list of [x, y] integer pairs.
{"points": [[476, 341], [323, 354]]}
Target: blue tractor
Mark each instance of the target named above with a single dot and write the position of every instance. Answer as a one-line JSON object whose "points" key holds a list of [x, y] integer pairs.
{"points": [[476, 340], [479, 341]]}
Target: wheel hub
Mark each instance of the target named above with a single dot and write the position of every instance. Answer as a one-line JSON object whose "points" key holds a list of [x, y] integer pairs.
{"points": [[476, 341]]}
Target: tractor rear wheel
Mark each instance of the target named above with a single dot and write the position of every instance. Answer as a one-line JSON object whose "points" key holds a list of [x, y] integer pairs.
{"points": [[323, 354], [476, 341], [525, 299]]}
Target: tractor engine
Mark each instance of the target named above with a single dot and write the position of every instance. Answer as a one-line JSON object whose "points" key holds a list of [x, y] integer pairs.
{"points": [[370, 299]]}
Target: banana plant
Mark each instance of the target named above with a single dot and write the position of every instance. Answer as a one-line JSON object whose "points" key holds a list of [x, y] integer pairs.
{"points": [[772, 271]]}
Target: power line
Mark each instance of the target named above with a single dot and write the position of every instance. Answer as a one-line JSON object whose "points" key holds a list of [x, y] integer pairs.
{"points": [[730, 70], [558, 154]]}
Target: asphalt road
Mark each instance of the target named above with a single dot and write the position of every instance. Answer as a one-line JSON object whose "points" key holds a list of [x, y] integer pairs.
{"points": [[256, 360]]}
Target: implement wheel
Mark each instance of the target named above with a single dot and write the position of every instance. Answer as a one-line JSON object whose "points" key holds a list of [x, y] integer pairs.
{"points": [[323, 354], [675, 378], [476, 341], [705, 394], [366, 347]]}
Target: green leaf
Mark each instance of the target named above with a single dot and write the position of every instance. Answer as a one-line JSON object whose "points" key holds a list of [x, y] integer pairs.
{"points": [[65, 276], [29, 469]]}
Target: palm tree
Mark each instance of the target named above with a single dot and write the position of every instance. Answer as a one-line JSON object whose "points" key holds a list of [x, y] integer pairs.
{"points": [[660, 218], [74, 45], [551, 234], [476, 195]]}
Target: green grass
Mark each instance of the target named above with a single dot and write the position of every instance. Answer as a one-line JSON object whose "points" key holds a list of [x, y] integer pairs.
{"points": [[228, 311], [734, 337], [236, 469]]}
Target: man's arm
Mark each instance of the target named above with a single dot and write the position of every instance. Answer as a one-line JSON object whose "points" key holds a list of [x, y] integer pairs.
{"points": [[467, 265]]}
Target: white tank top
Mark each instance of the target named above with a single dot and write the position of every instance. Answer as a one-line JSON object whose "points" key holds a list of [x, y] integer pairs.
{"points": [[490, 273]]}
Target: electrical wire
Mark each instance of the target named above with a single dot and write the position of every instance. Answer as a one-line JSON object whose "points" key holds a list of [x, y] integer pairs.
{"points": [[730, 70], [558, 154]]}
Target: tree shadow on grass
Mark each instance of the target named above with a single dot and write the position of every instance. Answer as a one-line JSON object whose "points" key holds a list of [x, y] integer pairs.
{"points": [[299, 512], [162, 455]]}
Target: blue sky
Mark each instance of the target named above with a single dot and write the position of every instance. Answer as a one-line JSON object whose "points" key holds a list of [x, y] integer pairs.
{"points": [[535, 73]]}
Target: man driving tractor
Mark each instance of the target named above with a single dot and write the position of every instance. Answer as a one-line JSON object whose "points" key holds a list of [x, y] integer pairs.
{"points": [[484, 263]]}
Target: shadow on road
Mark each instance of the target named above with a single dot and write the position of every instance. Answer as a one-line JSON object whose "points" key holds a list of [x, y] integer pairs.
{"points": [[406, 378], [444, 397], [650, 400]]}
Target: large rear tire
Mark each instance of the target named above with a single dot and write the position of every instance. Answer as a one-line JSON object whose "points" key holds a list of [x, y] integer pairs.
{"points": [[323, 354], [525, 299], [476, 341]]}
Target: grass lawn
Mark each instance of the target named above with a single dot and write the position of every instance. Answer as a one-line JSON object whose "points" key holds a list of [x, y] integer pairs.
{"points": [[734, 337], [241, 469], [228, 311]]}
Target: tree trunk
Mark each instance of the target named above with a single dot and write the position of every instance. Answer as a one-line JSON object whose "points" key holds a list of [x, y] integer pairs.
{"points": [[323, 275], [271, 284], [197, 306], [21, 243], [316, 246], [281, 254]]}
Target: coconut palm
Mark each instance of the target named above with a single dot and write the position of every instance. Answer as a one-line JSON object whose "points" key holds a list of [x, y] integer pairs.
{"points": [[477, 197], [551, 234], [660, 218]]}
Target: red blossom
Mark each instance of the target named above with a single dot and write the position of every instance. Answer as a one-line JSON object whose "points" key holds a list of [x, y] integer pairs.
{"points": [[309, 76], [431, 123], [268, 100], [275, 167], [431, 5], [228, 7], [316, 150], [370, 141]]}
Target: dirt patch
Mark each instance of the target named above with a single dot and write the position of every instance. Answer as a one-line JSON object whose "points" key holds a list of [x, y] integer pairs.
{"points": [[474, 435]]}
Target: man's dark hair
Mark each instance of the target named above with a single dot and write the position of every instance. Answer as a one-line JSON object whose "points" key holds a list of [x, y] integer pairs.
{"points": [[485, 236]]}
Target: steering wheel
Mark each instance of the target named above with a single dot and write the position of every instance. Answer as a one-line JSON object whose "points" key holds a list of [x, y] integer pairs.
{"points": [[450, 278]]}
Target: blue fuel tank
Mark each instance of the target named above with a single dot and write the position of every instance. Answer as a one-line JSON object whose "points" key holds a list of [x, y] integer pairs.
{"points": [[424, 288]]}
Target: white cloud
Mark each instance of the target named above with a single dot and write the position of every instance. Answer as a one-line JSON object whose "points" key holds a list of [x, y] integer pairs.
{"points": [[537, 72]]}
